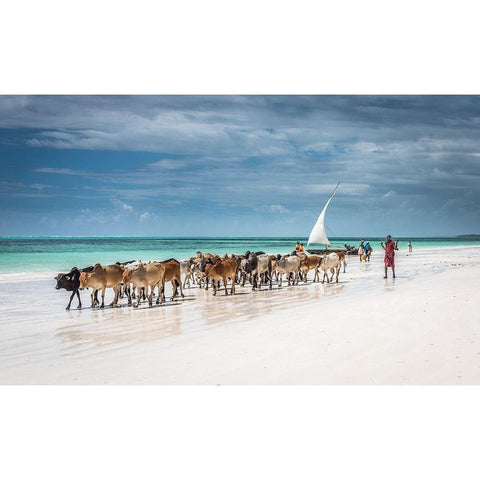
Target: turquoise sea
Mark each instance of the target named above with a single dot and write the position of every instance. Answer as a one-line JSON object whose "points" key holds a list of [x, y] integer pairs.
{"points": [[57, 254]]}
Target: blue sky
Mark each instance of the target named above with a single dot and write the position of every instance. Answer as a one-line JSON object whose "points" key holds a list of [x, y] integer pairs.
{"points": [[239, 165]]}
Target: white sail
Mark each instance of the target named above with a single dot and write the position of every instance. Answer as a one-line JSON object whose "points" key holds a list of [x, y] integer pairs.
{"points": [[318, 233]]}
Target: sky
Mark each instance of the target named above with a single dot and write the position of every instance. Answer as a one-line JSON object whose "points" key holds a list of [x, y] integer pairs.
{"points": [[239, 165]]}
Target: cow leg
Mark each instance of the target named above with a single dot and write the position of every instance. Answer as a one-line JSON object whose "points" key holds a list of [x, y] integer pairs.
{"points": [[338, 271], [161, 292], [139, 297], [92, 296], [214, 287], [79, 301], [115, 297], [103, 297], [174, 286], [150, 297], [232, 291], [180, 286], [70, 302], [129, 295]]}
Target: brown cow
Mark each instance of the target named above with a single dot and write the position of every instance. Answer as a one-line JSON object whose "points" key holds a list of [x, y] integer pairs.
{"points": [[310, 262], [222, 270], [150, 275], [102, 278], [172, 274]]}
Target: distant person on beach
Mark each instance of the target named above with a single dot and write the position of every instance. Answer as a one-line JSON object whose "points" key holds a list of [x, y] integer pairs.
{"points": [[297, 247], [361, 251], [368, 251], [390, 247], [410, 246], [301, 248]]}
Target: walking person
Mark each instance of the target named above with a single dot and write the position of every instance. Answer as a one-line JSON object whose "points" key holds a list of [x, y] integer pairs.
{"points": [[390, 247], [410, 246], [361, 251]]}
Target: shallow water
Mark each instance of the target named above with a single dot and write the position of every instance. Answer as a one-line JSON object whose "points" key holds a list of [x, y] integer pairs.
{"points": [[22, 257]]}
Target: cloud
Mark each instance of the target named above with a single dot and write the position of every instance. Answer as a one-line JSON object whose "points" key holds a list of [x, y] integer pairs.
{"points": [[146, 216], [247, 155], [122, 206], [272, 209]]}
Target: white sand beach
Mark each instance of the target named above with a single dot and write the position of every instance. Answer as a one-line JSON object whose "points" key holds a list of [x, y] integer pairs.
{"points": [[421, 328]]}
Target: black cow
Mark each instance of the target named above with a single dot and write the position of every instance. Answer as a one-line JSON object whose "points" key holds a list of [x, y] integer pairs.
{"points": [[71, 283]]}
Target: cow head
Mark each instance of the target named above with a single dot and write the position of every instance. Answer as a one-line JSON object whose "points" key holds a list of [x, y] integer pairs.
{"points": [[127, 274], [67, 280], [84, 280], [251, 263]]}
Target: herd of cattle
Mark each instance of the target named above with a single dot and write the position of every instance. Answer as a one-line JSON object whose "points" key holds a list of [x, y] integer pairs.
{"points": [[137, 280]]}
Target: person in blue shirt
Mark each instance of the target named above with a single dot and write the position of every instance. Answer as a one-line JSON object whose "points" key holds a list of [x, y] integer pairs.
{"points": [[368, 251]]}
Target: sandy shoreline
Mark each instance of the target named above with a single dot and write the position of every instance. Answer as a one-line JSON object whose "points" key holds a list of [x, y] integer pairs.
{"points": [[421, 328]]}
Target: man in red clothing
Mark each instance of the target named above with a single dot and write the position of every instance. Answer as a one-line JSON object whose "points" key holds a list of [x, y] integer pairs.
{"points": [[390, 247]]}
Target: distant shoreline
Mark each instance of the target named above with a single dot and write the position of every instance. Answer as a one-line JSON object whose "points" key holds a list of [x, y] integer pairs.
{"points": [[344, 237]]}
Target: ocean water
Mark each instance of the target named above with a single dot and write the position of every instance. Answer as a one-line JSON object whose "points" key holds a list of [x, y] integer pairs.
{"points": [[50, 255]]}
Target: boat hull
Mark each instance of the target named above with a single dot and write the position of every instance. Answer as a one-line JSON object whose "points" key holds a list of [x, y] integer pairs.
{"points": [[330, 249]]}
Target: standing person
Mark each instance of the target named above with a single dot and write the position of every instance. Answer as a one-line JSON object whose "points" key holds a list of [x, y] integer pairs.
{"points": [[390, 247], [410, 246], [297, 247], [361, 250], [301, 248], [368, 251]]}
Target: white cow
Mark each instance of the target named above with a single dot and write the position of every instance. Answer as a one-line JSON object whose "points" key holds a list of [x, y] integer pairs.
{"points": [[186, 269], [288, 264], [330, 262]]}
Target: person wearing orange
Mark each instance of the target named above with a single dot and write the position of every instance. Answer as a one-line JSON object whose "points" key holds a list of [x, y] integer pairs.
{"points": [[301, 248], [390, 247], [297, 247]]}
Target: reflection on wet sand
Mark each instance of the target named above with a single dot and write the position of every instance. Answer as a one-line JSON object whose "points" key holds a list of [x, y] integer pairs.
{"points": [[123, 325]]}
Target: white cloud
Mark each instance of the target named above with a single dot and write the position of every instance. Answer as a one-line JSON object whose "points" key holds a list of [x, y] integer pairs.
{"points": [[122, 206], [272, 209], [146, 216]]}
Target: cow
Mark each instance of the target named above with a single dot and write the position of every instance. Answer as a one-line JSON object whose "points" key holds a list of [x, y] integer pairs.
{"points": [[310, 262], [257, 264], [290, 265], [330, 262], [199, 273], [222, 270], [101, 278], [150, 275], [172, 274], [71, 283], [186, 269]]}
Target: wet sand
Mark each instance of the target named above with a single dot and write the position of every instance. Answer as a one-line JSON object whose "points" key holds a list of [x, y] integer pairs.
{"points": [[421, 328]]}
